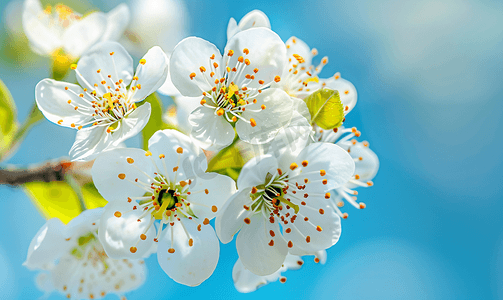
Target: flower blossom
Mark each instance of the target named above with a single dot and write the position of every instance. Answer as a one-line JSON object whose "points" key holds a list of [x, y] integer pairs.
{"points": [[73, 262], [52, 29], [300, 77], [291, 191], [234, 90], [366, 165], [103, 109], [165, 184]]}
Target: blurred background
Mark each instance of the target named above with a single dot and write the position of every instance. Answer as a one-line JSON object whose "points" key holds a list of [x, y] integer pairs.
{"points": [[429, 78]]}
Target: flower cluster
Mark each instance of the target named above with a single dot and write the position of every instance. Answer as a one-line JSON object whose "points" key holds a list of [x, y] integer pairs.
{"points": [[282, 200]]}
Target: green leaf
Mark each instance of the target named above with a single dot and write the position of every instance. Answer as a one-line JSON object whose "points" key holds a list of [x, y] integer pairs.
{"points": [[58, 199], [155, 122], [326, 108], [8, 122], [227, 158]]}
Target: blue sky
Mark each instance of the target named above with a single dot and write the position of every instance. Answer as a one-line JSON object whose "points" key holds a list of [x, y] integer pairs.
{"points": [[428, 76]]}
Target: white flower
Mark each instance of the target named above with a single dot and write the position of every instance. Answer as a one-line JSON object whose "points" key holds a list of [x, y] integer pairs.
{"points": [[235, 88], [166, 183], [103, 109], [51, 29], [300, 77], [288, 190], [366, 165], [179, 113], [247, 282], [254, 18], [74, 263]]}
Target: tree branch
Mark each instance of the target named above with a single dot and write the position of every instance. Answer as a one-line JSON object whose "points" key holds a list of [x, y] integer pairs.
{"points": [[46, 172]]}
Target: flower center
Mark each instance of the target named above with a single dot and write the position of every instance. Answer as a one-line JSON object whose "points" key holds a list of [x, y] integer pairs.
{"points": [[110, 105], [233, 93]]}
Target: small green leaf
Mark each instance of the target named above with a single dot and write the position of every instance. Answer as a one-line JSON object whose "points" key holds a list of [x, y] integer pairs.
{"points": [[8, 122], [155, 122], [58, 200], [228, 158], [326, 108]]}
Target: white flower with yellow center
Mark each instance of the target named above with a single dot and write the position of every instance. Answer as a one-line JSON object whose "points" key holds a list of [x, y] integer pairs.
{"points": [[166, 186], [103, 108], [300, 77], [247, 282], [59, 27], [290, 192], [254, 18], [233, 89], [73, 262], [366, 165]]}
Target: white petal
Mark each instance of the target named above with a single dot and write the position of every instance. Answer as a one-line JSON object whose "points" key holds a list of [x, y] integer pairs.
{"points": [[187, 57], [329, 222], [322, 256], [278, 114], [152, 74], [84, 223], [132, 163], [337, 163], [89, 142], [190, 163], [189, 265], [231, 216], [297, 46], [367, 167], [347, 92], [211, 132], [168, 88], [52, 100], [232, 28], [47, 245], [119, 66], [117, 21], [43, 281], [290, 140], [267, 52], [247, 282], [219, 187], [132, 124], [83, 34], [184, 106], [254, 18], [43, 39], [118, 235], [254, 249], [254, 172]]}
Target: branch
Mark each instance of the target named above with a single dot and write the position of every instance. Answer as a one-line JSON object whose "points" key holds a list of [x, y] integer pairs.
{"points": [[46, 172]]}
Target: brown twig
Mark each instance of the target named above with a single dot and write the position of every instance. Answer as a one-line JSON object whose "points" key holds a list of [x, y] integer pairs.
{"points": [[47, 172]]}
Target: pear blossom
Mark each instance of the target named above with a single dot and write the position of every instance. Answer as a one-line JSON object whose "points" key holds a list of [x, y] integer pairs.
{"points": [[234, 90], [300, 77], [366, 165], [72, 260], [247, 282], [253, 19], [166, 185], [102, 108], [291, 190], [52, 29]]}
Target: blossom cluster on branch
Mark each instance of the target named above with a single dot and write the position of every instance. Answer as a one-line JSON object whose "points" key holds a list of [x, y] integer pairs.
{"points": [[258, 109]]}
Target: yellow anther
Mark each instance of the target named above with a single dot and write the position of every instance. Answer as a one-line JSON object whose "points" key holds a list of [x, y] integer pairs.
{"points": [[277, 79], [73, 66], [220, 112], [253, 123], [143, 61], [148, 153], [293, 166]]}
